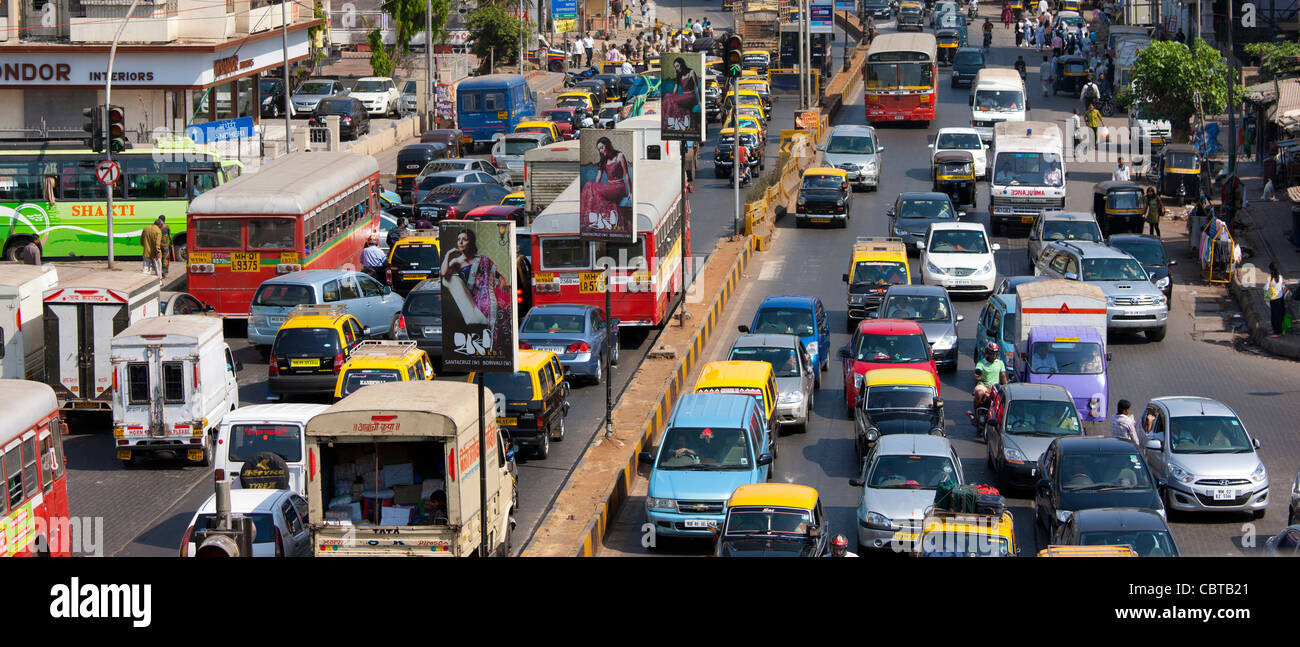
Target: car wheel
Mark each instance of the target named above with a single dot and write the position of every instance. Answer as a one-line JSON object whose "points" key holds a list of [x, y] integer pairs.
{"points": [[130, 463], [1259, 514], [557, 432], [1166, 499], [543, 447], [817, 381], [988, 457], [392, 328], [1156, 334], [1292, 517], [600, 372], [613, 357], [850, 325]]}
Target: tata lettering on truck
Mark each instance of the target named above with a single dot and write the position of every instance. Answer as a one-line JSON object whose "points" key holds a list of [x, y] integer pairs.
{"points": [[1061, 339]]}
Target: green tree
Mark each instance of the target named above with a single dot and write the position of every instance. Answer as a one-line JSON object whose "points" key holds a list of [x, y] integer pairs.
{"points": [[495, 33], [380, 63], [408, 16], [1167, 76], [1275, 59]]}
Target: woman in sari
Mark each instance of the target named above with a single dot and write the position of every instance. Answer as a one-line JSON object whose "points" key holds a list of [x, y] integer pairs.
{"points": [[600, 199], [680, 105], [479, 290]]}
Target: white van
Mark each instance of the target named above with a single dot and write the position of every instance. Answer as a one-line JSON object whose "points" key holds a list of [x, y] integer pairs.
{"points": [[1028, 174], [22, 347], [997, 95], [276, 428], [177, 379]]}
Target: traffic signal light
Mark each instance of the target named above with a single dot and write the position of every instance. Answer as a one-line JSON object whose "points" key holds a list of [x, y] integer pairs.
{"points": [[94, 128], [733, 51], [116, 134]]}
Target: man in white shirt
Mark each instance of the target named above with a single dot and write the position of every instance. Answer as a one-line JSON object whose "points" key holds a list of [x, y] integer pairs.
{"points": [[576, 52], [1042, 7], [1122, 173], [626, 68], [698, 28], [588, 44]]}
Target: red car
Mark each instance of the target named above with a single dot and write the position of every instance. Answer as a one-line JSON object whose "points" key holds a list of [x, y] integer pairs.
{"points": [[499, 212], [885, 343], [564, 119]]}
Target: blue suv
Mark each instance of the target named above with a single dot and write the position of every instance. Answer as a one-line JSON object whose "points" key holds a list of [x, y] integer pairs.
{"points": [[801, 316]]}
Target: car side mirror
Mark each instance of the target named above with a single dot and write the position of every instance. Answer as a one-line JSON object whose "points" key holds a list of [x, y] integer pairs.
{"points": [[855, 482], [239, 366], [1044, 486], [1139, 159], [645, 457], [1255, 442], [1172, 262], [931, 145], [385, 290], [845, 277], [880, 149], [889, 212], [875, 314], [1071, 276], [961, 318], [844, 353], [366, 330], [210, 308], [961, 215], [997, 246], [1033, 471], [764, 459], [1154, 444], [938, 403], [744, 329], [821, 148], [1108, 358], [920, 244], [814, 532]]}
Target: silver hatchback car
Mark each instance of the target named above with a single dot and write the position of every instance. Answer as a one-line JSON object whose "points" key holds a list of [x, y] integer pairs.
{"points": [[795, 377], [1202, 457], [856, 151]]}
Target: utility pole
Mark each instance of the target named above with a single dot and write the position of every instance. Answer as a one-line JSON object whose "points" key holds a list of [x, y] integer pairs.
{"points": [[1232, 83], [804, 76], [108, 148], [428, 65], [284, 46], [807, 52], [522, 26]]}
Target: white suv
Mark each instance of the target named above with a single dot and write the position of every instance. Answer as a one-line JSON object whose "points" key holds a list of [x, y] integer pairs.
{"points": [[379, 94], [957, 256]]}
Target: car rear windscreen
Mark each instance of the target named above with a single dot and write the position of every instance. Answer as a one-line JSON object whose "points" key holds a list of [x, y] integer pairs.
{"points": [[282, 439], [306, 342], [284, 295]]}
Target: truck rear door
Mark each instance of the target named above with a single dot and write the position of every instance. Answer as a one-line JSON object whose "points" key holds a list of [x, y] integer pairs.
{"points": [[79, 329]]}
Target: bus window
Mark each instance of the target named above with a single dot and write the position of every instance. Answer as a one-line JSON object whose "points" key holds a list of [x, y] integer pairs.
{"points": [[57, 427], [217, 233], [47, 475], [84, 186], [31, 486], [565, 253], [21, 181], [14, 476], [624, 255], [201, 182], [270, 234]]}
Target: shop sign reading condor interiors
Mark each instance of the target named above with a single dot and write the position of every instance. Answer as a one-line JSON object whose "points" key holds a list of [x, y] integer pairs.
{"points": [[181, 68]]}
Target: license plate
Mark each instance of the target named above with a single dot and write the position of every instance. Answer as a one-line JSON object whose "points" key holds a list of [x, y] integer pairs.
{"points": [[591, 283], [959, 282], [201, 258], [124, 454], [432, 330], [304, 363], [84, 405], [515, 164], [1001, 209], [1027, 220], [288, 258], [245, 262], [275, 321], [898, 117], [194, 454], [905, 536], [409, 276], [821, 220], [508, 422], [1225, 495], [697, 523], [554, 349]]}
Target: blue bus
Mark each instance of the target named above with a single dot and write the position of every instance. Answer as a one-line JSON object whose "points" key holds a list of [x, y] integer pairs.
{"points": [[492, 104]]}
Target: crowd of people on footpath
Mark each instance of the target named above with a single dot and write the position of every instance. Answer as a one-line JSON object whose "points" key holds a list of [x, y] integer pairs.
{"points": [[653, 39]]}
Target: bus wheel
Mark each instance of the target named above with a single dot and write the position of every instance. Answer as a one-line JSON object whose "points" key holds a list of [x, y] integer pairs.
{"points": [[180, 250], [13, 245]]}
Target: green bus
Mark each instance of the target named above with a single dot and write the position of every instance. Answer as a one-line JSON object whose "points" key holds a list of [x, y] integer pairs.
{"points": [[50, 193]]}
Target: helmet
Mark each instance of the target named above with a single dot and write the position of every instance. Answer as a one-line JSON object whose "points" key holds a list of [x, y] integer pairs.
{"points": [[991, 347], [839, 541]]}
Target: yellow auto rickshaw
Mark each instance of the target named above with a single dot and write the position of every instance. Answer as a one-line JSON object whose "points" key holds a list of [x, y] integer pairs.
{"points": [[1119, 207], [1071, 75], [1177, 171], [948, 40], [954, 174]]}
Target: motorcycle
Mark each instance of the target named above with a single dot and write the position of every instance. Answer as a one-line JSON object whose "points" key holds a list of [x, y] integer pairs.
{"points": [[971, 11], [572, 78], [988, 39], [1106, 105], [980, 419]]}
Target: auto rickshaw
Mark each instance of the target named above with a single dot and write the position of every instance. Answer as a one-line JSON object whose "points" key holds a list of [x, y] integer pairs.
{"points": [[948, 41], [1119, 207], [1071, 76], [954, 174], [1068, 5], [1176, 172]]}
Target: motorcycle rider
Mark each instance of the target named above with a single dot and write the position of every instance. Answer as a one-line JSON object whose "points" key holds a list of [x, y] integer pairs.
{"points": [[989, 372], [988, 32], [1020, 66], [840, 547]]}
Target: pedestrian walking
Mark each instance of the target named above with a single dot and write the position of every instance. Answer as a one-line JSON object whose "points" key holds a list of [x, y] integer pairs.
{"points": [[575, 52], [645, 10], [1020, 34], [151, 245], [1231, 195], [1042, 7], [627, 18], [1058, 44], [1045, 75], [1155, 208], [31, 252], [166, 245], [1092, 118], [1122, 424], [589, 46], [1040, 36], [1122, 173], [1006, 15], [1275, 292]]}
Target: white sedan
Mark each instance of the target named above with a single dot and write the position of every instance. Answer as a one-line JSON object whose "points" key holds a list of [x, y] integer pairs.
{"points": [[962, 139], [279, 518], [957, 256], [379, 94]]}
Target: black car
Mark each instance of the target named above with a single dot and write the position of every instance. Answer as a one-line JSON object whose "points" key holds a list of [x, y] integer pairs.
{"points": [[1145, 531], [611, 84], [1085, 472], [271, 92], [1150, 252], [354, 121], [453, 201], [886, 410], [877, 8], [966, 65], [422, 312], [596, 87], [625, 84], [823, 198], [913, 212]]}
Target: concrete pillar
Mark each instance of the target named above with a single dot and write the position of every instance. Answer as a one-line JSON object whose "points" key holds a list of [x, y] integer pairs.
{"points": [[332, 122]]}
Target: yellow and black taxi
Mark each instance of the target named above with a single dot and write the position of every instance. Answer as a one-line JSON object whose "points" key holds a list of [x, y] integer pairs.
{"points": [[751, 122], [376, 361], [876, 264], [756, 59], [310, 350], [773, 520], [956, 534], [413, 258], [947, 40], [713, 99], [533, 401], [515, 199], [745, 98], [953, 173], [1177, 171], [825, 197], [576, 99], [758, 84]]}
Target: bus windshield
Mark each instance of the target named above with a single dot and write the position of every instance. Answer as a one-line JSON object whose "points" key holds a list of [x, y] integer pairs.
{"points": [[900, 76]]}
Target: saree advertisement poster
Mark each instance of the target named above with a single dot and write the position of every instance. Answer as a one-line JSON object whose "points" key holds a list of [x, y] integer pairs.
{"points": [[605, 204], [479, 315], [682, 89]]}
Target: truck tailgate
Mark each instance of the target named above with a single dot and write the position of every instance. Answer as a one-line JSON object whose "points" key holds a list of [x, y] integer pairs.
{"points": [[383, 541]]}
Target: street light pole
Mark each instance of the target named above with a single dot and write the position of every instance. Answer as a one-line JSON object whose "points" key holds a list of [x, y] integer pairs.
{"points": [[1232, 82], [284, 44], [428, 64], [522, 26], [108, 148]]}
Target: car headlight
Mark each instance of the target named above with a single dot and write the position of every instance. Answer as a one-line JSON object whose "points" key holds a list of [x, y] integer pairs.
{"points": [[1259, 475], [948, 340], [1014, 455], [937, 431], [857, 298], [1162, 283], [869, 167], [660, 504], [877, 521], [802, 200], [1179, 474], [934, 269], [988, 267], [811, 348], [839, 201], [1064, 515], [1160, 299], [872, 434], [1095, 405], [901, 232], [792, 397]]}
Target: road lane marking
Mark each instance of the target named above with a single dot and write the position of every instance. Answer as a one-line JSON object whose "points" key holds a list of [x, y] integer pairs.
{"points": [[771, 270]]}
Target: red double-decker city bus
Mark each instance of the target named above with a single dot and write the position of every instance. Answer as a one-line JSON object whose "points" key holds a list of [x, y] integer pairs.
{"points": [[34, 504], [645, 276], [900, 78], [303, 211]]}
